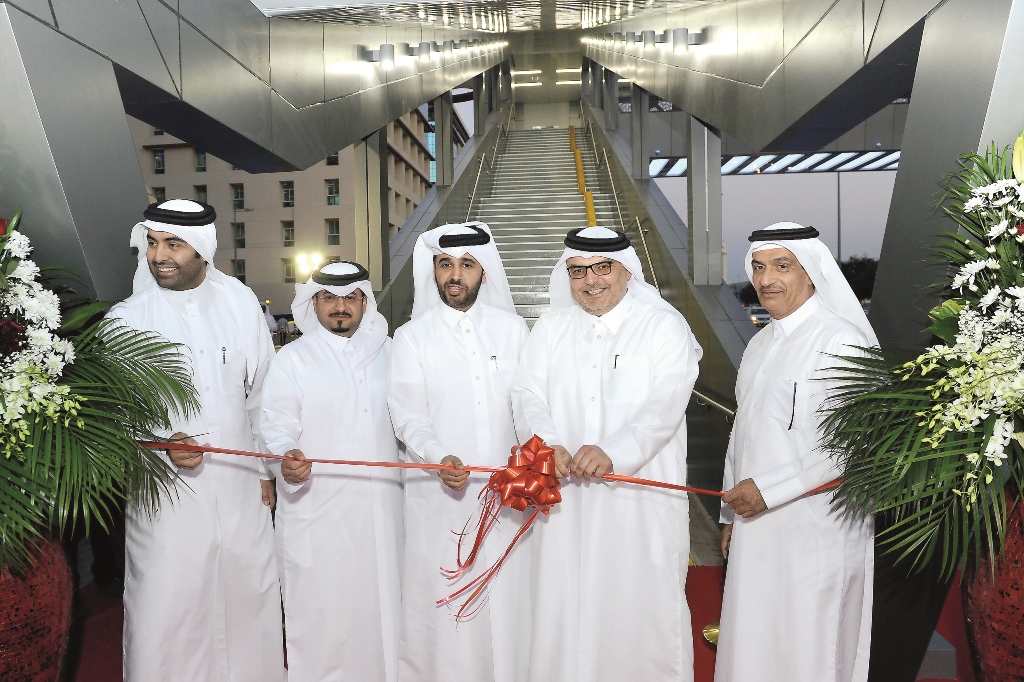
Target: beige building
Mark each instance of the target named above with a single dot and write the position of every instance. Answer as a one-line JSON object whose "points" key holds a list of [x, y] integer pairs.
{"points": [[274, 228]]}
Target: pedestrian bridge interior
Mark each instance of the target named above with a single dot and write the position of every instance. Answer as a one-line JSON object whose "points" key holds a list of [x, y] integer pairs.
{"points": [[565, 101]]}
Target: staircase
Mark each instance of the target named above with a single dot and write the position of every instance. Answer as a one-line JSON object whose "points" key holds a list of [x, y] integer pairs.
{"points": [[532, 201]]}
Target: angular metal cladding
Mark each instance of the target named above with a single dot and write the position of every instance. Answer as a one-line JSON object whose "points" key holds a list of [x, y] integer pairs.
{"points": [[299, 134], [163, 24], [298, 61], [40, 9], [236, 26]]}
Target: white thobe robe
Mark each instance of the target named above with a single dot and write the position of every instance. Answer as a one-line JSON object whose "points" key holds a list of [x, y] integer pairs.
{"points": [[797, 603], [610, 561], [340, 531], [201, 590], [450, 394]]}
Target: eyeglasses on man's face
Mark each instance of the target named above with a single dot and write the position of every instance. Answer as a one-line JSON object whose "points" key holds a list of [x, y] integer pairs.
{"points": [[600, 268], [328, 297]]}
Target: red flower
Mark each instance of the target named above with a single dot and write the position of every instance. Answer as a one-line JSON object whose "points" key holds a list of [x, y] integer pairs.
{"points": [[3, 226], [1020, 229], [12, 337]]}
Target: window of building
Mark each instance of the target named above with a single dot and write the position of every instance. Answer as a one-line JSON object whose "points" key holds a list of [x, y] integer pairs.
{"points": [[288, 194], [157, 131], [200, 161], [289, 270], [332, 160], [333, 233], [240, 270], [158, 161], [333, 192], [239, 231], [159, 194], [234, 167], [661, 105], [201, 194], [238, 196], [288, 232]]}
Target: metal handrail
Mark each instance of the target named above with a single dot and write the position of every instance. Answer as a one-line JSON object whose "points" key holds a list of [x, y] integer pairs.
{"points": [[472, 195], [710, 402], [497, 138], [650, 263], [615, 194]]}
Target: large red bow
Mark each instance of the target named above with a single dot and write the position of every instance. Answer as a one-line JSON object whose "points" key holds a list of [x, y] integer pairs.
{"points": [[528, 481]]}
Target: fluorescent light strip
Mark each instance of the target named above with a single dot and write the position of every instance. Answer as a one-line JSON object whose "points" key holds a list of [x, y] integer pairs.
{"points": [[895, 166], [884, 161], [531, 72], [756, 164], [733, 163], [576, 70], [835, 161], [678, 169], [809, 161], [860, 161], [568, 82], [526, 85], [782, 163], [657, 165]]}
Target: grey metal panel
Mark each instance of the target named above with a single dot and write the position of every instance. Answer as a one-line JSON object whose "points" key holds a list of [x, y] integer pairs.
{"points": [[345, 70], [117, 30], [299, 133], [799, 19], [236, 26], [986, 79], [824, 59], [723, 31], [880, 129], [163, 24], [897, 17], [759, 42], [69, 160], [298, 61], [40, 9], [354, 117], [216, 84], [872, 11]]}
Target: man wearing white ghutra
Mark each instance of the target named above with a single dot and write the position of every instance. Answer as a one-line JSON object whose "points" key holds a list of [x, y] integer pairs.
{"points": [[606, 378], [452, 370], [339, 528], [798, 588]]}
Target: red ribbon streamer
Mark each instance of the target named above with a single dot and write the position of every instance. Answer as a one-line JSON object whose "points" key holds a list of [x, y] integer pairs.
{"points": [[528, 481]]}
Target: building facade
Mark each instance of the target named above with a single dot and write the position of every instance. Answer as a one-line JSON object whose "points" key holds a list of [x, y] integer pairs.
{"points": [[273, 229]]}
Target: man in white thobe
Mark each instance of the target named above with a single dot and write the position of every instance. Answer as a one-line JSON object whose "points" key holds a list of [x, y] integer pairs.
{"points": [[452, 370], [606, 378], [201, 595], [339, 528], [798, 588]]}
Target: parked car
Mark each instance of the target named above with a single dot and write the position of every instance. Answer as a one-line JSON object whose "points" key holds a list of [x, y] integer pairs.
{"points": [[758, 315]]}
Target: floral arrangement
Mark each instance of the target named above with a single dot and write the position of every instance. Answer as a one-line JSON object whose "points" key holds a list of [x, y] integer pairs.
{"points": [[934, 442], [75, 395]]}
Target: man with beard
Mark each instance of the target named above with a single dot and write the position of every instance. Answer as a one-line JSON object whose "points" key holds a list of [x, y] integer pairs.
{"points": [[339, 528], [798, 591], [605, 381], [201, 597], [452, 370]]}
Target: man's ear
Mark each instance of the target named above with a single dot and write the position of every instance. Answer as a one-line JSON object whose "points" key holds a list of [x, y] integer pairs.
{"points": [[484, 278]]}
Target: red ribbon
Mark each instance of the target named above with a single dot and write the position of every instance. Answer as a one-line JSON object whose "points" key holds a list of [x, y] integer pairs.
{"points": [[528, 481]]}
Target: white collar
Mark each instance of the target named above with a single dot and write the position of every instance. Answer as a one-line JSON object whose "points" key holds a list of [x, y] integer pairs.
{"points": [[453, 317], [787, 325], [612, 319], [334, 340]]}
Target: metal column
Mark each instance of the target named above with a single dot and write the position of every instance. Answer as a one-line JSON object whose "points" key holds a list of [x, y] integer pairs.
{"points": [[611, 100], [586, 81], [704, 198], [639, 126], [597, 77], [479, 104], [505, 82], [444, 140], [372, 223]]}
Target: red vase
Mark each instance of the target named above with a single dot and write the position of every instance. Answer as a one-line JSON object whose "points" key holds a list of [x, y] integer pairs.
{"points": [[35, 618], [994, 607]]}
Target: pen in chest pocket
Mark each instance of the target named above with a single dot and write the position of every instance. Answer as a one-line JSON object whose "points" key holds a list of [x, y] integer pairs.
{"points": [[494, 361], [223, 355], [792, 415]]}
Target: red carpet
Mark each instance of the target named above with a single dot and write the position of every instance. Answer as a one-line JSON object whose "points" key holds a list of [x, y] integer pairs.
{"points": [[100, 659]]}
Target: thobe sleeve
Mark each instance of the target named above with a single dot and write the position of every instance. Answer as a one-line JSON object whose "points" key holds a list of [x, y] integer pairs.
{"points": [[519, 420], [254, 394], [281, 423], [727, 515], [814, 466], [674, 371], [531, 387], [407, 401]]}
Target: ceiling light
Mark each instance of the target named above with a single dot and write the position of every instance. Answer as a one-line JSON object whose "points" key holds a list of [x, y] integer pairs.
{"points": [[733, 163], [656, 166], [678, 169], [809, 161], [860, 161], [568, 82], [835, 161], [530, 72], [576, 70], [782, 163], [755, 165], [680, 40], [531, 84], [884, 161]]}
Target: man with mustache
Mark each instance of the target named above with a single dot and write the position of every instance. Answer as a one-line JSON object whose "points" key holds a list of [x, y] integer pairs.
{"points": [[339, 528], [450, 397], [798, 589], [201, 595], [605, 381]]}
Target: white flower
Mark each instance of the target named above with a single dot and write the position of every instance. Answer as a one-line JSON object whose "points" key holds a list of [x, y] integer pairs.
{"points": [[18, 245], [988, 299], [973, 204], [26, 271]]}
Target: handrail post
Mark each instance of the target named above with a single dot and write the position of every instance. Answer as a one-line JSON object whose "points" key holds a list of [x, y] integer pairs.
{"points": [[581, 182], [588, 199]]}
